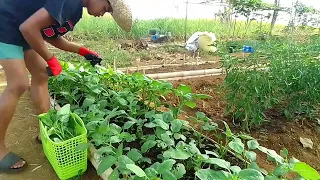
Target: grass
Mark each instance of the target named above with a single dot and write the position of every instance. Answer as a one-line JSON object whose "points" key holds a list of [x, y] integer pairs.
{"points": [[101, 34], [97, 28]]}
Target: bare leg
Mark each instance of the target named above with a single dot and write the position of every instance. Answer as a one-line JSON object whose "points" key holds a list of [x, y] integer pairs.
{"points": [[17, 84], [39, 82]]}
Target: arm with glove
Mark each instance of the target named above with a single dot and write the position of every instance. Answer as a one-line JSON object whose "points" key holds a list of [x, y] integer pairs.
{"points": [[68, 46]]}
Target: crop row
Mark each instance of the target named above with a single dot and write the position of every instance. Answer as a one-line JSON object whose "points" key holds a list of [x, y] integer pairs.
{"points": [[141, 136]]}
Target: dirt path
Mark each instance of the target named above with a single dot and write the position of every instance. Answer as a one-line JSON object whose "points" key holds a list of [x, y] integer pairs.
{"points": [[21, 139]]}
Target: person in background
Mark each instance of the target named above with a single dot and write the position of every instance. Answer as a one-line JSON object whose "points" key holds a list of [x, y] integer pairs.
{"points": [[26, 26]]}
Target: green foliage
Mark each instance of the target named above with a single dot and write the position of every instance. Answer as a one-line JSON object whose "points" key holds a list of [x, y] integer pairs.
{"points": [[138, 141], [288, 82], [60, 124]]}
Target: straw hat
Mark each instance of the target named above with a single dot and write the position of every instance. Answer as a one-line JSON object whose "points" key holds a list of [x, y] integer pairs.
{"points": [[122, 14]]}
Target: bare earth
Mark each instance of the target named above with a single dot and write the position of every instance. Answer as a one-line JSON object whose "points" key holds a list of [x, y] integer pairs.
{"points": [[21, 139]]}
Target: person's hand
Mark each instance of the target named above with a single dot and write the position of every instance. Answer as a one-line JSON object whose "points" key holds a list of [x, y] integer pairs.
{"points": [[54, 67], [91, 56]]}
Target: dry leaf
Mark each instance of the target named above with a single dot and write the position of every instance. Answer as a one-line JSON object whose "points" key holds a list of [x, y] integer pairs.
{"points": [[306, 142]]}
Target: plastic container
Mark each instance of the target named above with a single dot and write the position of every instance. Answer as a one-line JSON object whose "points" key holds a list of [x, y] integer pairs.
{"points": [[66, 161], [247, 49]]}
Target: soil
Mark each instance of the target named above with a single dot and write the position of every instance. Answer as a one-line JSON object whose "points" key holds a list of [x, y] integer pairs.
{"points": [[276, 135], [20, 138]]}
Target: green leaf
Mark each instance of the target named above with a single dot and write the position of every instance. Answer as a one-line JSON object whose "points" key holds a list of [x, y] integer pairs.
{"points": [[107, 149], [176, 154], [83, 146], [105, 164], [122, 101], [237, 145], [179, 171], [179, 136], [165, 166], [119, 150], [211, 153], [253, 144], [168, 116], [268, 177], [148, 145], [281, 170], [134, 155], [45, 118], [151, 173], [202, 96], [161, 124], [228, 130], [200, 115], [167, 175], [136, 169], [150, 125], [103, 104], [250, 174], [150, 114], [128, 124], [184, 89], [252, 156], [219, 162], [115, 139], [122, 164], [63, 114], [88, 102], [306, 171], [235, 169], [64, 110], [209, 174], [191, 104], [114, 175], [272, 154], [176, 125]]}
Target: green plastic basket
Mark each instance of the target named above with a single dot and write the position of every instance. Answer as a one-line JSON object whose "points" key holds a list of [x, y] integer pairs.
{"points": [[66, 161]]}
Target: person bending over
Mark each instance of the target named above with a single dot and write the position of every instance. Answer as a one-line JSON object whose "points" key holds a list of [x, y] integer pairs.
{"points": [[26, 25]]}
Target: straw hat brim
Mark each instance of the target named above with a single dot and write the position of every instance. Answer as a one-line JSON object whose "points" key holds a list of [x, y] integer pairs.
{"points": [[122, 14]]}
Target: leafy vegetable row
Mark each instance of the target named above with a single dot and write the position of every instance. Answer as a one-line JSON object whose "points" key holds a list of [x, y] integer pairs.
{"points": [[141, 136]]}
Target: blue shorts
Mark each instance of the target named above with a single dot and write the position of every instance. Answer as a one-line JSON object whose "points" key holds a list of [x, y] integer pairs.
{"points": [[9, 51]]}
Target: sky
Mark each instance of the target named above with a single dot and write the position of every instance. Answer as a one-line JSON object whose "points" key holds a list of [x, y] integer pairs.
{"points": [[177, 8]]}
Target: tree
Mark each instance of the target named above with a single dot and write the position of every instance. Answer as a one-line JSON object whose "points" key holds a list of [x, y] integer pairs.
{"points": [[275, 15]]}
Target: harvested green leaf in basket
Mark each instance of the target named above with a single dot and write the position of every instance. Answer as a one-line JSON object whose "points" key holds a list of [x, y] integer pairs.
{"points": [[59, 124]]}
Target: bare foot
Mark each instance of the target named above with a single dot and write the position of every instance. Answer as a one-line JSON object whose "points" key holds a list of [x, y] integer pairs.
{"points": [[17, 165]]}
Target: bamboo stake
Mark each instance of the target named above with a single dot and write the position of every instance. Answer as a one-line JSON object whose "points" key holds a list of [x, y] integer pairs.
{"points": [[190, 77], [114, 64], [168, 65], [184, 73]]}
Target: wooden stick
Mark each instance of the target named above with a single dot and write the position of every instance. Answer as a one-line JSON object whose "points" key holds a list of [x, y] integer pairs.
{"points": [[184, 73], [114, 64], [190, 77], [159, 66]]}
